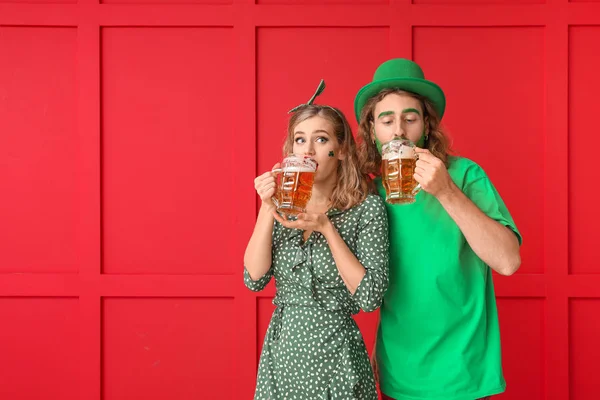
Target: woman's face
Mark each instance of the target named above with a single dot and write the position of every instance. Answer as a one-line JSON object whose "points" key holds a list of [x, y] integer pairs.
{"points": [[315, 137], [398, 115]]}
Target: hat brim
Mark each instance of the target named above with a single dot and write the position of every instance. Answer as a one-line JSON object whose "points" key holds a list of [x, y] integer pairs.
{"points": [[423, 87]]}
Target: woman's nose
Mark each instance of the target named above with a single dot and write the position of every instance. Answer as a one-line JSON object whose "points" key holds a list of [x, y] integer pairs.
{"points": [[310, 150]]}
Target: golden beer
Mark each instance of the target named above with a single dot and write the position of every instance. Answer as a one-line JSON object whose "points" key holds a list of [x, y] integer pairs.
{"points": [[294, 187], [397, 172]]}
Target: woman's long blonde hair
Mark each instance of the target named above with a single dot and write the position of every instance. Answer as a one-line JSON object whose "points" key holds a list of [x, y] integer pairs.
{"points": [[352, 186], [437, 141]]}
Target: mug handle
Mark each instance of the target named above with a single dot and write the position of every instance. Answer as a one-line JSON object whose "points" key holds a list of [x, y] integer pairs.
{"points": [[417, 188], [274, 197]]}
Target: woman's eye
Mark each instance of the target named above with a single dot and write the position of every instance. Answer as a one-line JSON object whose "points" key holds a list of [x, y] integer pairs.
{"points": [[299, 140], [389, 122], [322, 139], [410, 121]]}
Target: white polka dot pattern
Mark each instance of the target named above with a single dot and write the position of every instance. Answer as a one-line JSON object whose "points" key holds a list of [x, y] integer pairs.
{"points": [[313, 348]]}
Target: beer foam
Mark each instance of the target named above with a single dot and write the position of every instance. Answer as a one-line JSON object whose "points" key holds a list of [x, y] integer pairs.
{"points": [[406, 152], [298, 169], [403, 152]]}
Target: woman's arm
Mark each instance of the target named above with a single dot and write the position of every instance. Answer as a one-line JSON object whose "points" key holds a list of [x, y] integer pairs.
{"points": [[257, 257]]}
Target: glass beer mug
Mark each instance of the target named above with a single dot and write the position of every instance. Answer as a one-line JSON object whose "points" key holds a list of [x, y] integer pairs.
{"points": [[397, 171], [294, 184]]}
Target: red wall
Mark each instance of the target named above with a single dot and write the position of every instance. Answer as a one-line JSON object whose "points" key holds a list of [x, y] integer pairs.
{"points": [[123, 128]]}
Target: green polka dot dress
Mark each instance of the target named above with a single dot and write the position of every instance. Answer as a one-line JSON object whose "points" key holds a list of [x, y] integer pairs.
{"points": [[313, 349]]}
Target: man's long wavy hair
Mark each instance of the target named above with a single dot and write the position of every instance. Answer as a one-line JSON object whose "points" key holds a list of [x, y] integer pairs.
{"points": [[370, 160], [352, 186]]}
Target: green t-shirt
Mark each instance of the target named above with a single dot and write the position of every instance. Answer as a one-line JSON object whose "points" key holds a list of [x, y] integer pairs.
{"points": [[439, 337]]}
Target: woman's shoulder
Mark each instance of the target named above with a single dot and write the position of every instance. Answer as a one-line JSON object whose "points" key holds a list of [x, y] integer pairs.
{"points": [[371, 206], [374, 200]]}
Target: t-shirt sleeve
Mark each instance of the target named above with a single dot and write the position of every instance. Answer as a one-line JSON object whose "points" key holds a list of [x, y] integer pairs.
{"points": [[479, 188], [372, 252]]}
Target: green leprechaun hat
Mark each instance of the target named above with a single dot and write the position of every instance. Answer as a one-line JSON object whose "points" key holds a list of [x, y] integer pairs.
{"points": [[404, 74]]}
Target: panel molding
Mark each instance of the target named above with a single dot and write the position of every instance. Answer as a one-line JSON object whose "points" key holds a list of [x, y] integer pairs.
{"points": [[555, 286]]}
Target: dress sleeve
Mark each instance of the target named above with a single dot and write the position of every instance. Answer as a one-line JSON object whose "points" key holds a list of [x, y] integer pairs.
{"points": [[259, 284], [372, 252]]}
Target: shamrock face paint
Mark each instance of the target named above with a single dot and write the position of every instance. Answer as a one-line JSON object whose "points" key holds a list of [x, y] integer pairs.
{"points": [[331, 154]]}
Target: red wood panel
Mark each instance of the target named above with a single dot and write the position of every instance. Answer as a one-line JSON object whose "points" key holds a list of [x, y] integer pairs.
{"points": [[165, 1], [320, 2], [167, 170], [38, 146], [584, 348], [38, 343], [523, 340], [583, 86], [112, 125], [40, 1], [157, 348], [460, 2]]}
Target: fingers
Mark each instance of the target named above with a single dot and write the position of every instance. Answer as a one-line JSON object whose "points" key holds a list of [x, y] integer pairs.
{"points": [[266, 190], [265, 185], [303, 217], [430, 165], [302, 221], [287, 223], [425, 157], [419, 178], [261, 180], [279, 218]]}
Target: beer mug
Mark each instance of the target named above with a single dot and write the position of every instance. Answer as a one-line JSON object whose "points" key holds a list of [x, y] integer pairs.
{"points": [[397, 171], [294, 184]]}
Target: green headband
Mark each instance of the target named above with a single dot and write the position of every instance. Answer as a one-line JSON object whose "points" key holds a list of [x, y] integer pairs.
{"points": [[319, 90], [310, 102]]}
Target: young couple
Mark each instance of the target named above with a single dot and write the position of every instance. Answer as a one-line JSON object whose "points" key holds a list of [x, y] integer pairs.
{"points": [[428, 265]]}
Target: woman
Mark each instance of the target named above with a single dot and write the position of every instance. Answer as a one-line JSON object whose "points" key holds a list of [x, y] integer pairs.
{"points": [[438, 337], [328, 263]]}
